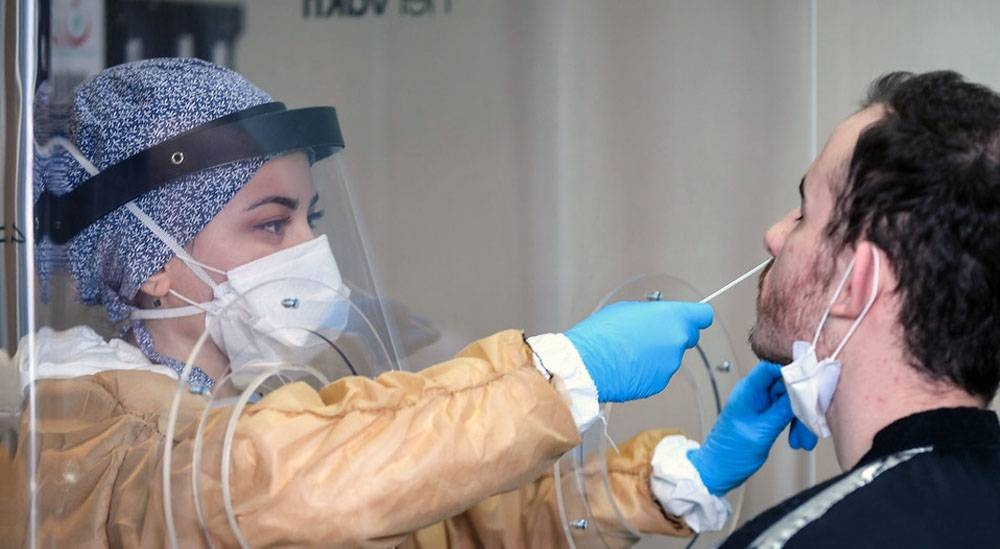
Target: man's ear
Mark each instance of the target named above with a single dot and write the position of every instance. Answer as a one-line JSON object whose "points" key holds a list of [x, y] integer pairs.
{"points": [[861, 283], [157, 285]]}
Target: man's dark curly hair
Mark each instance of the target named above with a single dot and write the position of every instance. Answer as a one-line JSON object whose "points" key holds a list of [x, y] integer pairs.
{"points": [[924, 186]]}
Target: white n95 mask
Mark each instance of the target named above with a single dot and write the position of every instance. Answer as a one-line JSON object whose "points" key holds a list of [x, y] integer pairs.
{"points": [[811, 383], [286, 307], [280, 307]]}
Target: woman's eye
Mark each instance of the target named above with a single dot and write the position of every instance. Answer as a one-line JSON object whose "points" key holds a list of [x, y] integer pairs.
{"points": [[275, 226], [314, 217]]}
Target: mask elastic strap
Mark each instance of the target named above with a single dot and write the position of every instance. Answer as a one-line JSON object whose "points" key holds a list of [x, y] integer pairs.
{"points": [[196, 267], [836, 294], [871, 301], [194, 308], [46, 150]]}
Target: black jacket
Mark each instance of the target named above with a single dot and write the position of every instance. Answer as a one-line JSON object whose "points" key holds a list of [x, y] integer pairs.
{"points": [[947, 496]]}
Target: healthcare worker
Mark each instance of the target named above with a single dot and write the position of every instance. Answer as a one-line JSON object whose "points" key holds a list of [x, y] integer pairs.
{"points": [[215, 228]]}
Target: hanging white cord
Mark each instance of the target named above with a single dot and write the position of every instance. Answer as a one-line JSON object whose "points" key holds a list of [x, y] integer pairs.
{"points": [[168, 442], [227, 442], [813, 141]]}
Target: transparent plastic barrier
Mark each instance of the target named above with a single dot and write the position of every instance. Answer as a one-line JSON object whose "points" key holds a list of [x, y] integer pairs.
{"points": [[355, 348], [691, 403]]}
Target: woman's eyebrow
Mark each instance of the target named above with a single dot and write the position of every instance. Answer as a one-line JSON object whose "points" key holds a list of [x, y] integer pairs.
{"points": [[290, 203]]}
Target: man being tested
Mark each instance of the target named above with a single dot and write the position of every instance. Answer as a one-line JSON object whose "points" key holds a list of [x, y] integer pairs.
{"points": [[884, 301]]}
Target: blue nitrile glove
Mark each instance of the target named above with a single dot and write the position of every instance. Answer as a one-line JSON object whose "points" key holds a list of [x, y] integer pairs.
{"points": [[632, 348], [738, 444], [799, 436]]}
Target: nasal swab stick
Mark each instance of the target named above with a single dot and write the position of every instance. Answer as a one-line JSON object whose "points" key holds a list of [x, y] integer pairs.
{"points": [[741, 278]]}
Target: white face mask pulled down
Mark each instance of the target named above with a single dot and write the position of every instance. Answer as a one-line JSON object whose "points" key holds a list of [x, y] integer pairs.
{"points": [[269, 311], [812, 382]]}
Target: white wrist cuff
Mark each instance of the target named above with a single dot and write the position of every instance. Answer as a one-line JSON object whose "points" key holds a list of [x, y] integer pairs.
{"points": [[555, 356], [677, 486]]}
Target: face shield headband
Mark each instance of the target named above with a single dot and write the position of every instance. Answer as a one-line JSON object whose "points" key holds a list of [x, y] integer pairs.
{"points": [[262, 131]]}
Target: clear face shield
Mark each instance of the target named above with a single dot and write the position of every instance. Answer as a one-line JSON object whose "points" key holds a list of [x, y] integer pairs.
{"points": [[280, 275], [273, 297], [708, 373]]}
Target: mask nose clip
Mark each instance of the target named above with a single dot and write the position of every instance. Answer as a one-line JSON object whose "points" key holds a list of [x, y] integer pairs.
{"points": [[290, 303]]}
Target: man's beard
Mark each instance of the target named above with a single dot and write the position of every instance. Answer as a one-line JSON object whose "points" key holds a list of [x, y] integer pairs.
{"points": [[788, 312]]}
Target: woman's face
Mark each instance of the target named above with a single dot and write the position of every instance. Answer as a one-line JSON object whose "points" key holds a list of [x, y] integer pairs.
{"points": [[274, 211]]}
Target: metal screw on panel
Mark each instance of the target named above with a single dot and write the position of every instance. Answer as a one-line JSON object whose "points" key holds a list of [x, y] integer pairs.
{"points": [[290, 303], [654, 296], [726, 366], [580, 524]]}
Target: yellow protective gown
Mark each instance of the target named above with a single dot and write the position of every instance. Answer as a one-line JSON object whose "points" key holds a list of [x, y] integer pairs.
{"points": [[456, 455]]}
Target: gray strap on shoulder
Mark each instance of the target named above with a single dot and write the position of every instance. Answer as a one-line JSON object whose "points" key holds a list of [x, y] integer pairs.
{"points": [[780, 532]]}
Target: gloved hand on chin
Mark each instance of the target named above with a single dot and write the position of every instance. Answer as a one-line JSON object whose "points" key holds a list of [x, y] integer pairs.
{"points": [[757, 412], [631, 349]]}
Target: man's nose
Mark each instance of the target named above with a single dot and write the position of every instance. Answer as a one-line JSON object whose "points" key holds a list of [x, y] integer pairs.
{"points": [[774, 238]]}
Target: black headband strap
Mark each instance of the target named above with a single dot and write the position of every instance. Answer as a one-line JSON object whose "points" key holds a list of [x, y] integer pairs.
{"points": [[264, 130]]}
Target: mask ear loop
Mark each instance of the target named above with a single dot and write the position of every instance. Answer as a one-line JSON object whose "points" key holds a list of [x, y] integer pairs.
{"points": [[46, 150], [871, 301], [196, 267], [836, 294], [193, 308]]}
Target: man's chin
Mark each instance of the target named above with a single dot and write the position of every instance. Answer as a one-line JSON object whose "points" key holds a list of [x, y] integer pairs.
{"points": [[781, 359], [767, 350]]}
